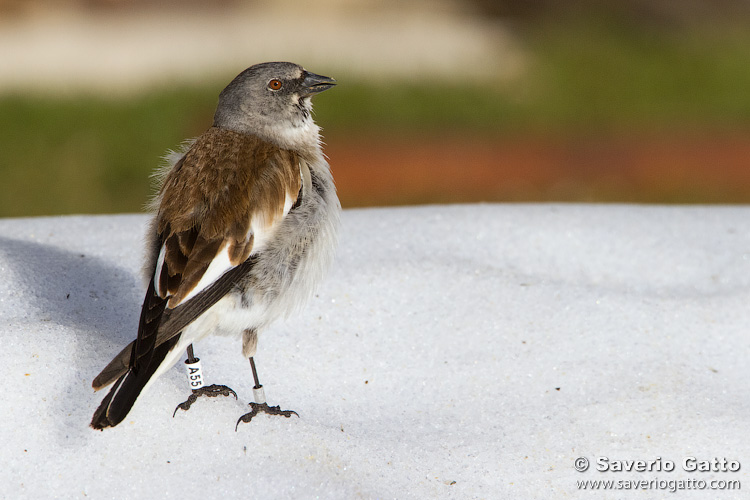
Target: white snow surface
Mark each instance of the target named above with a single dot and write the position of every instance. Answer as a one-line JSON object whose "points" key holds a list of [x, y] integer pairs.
{"points": [[465, 351]]}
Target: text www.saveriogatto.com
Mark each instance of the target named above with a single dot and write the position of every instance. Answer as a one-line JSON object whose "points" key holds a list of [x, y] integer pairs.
{"points": [[697, 468]]}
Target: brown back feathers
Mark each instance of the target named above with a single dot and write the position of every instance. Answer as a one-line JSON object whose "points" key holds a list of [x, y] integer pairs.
{"points": [[211, 197]]}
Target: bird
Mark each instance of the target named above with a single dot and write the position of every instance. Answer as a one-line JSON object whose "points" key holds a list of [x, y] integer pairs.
{"points": [[244, 226]]}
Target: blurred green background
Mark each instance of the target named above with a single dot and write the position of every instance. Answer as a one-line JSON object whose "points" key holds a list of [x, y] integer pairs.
{"points": [[628, 101]]}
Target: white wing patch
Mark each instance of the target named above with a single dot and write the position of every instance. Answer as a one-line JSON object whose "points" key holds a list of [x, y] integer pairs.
{"points": [[157, 272], [288, 203], [218, 266], [262, 232]]}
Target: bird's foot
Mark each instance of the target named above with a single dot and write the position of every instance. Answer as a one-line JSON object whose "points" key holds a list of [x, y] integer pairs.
{"points": [[263, 408], [210, 391]]}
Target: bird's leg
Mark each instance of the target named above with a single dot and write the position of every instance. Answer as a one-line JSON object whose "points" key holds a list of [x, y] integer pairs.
{"points": [[195, 379], [260, 405]]}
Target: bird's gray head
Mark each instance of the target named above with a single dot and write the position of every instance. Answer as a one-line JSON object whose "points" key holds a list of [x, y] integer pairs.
{"points": [[272, 100]]}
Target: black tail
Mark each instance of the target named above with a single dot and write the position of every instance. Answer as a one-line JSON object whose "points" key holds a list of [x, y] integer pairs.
{"points": [[125, 391]]}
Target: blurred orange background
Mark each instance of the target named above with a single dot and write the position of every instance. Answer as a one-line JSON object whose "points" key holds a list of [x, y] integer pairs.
{"points": [[439, 101]]}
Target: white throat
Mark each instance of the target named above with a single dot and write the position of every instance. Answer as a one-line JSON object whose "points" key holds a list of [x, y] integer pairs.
{"points": [[303, 136]]}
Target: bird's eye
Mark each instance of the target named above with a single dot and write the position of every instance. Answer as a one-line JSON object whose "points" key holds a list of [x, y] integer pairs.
{"points": [[274, 84]]}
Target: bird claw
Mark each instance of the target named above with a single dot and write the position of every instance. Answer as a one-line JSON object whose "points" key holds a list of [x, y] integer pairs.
{"points": [[210, 391], [263, 408]]}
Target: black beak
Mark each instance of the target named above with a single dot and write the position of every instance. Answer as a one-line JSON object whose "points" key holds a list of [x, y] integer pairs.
{"points": [[313, 84]]}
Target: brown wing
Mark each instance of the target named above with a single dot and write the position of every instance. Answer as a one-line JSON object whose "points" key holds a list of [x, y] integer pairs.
{"points": [[210, 199], [209, 202]]}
